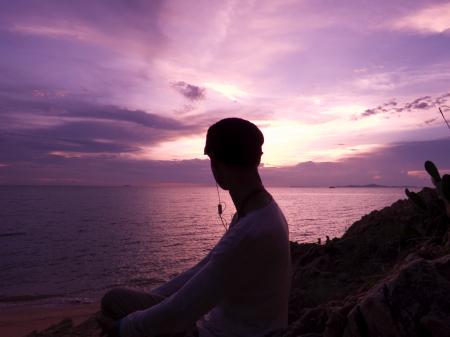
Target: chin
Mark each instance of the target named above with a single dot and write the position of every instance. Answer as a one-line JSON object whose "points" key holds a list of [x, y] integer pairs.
{"points": [[222, 185]]}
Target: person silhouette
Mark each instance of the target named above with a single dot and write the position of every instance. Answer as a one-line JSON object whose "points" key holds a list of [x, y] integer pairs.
{"points": [[241, 287]]}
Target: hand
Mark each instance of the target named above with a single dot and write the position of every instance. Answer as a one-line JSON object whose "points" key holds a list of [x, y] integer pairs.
{"points": [[108, 325]]}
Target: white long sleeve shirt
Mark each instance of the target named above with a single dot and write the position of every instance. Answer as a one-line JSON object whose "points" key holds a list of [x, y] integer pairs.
{"points": [[241, 288]]}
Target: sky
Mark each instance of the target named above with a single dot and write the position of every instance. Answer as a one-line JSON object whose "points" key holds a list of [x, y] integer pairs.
{"points": [[113, 92]]}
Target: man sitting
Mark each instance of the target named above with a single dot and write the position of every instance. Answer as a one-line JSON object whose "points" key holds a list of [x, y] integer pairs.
{"points": [[241, 287]]}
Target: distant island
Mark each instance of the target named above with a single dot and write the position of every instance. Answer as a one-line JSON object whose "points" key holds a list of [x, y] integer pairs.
{"points": [[361, 186], [375, 185]]}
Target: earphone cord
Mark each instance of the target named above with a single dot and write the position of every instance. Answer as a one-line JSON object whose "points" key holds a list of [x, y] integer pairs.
{"points": [[220, 210]]}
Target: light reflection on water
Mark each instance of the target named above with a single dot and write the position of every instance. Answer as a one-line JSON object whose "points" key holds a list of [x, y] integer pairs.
{"points": [[80, 241]]}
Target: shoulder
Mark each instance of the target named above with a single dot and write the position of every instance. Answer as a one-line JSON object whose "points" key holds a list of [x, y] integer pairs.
{"points": [[252, 230], [268, 218]]}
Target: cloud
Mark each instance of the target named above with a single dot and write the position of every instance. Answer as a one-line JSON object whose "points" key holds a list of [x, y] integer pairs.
{"points": [[190, 91], [389, 165], [421, 103], [431, 19], [104, 47], [95, 76], [107, 170], [62, 105], [41, 123], [429, 121], [377, 81], [114, 23], [379, 109], [412, 73]]}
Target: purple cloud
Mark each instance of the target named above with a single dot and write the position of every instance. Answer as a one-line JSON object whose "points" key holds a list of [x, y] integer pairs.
{"points": [[429, 121], [397, 164], [46, 103], [39, 123], [72, 70], [421, 103], [99, 21], [190, 91], [379, 109]]}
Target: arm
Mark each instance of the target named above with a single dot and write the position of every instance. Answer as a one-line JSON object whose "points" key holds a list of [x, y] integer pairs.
{"points": [[172, 286], [196, 297], [180, 311]]}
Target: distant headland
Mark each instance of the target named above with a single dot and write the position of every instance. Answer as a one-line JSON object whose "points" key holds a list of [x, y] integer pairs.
{"points": [[360, 186], [376, 185]]}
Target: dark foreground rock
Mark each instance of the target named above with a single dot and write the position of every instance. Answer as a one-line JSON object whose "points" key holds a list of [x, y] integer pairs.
{"points": [[65, 328], [389, 275], [412, 302]]}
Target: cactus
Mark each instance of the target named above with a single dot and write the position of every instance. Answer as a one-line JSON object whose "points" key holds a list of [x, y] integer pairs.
{"points": [[445, 190], [445, 186], [432, 171], [416, 199], [442, 184]]}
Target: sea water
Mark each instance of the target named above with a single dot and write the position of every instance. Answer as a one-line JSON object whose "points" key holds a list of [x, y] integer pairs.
{"points": [[70, 244]]}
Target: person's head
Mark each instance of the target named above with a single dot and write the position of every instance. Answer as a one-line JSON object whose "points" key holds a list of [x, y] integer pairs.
{"points": [[234, 146]]}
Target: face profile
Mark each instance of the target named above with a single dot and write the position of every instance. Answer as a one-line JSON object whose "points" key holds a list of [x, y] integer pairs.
{"points": [[217, 173], [235, 142], [234, 148]]}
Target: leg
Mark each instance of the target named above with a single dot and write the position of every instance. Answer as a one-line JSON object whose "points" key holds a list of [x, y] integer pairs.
{"points": [[119, 302]]}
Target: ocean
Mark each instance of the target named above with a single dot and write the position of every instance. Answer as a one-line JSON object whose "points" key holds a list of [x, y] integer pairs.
{"points": [[71, 244]]}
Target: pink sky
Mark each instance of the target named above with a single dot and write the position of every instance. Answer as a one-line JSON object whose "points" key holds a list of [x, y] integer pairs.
{"points": [[122, 92]]}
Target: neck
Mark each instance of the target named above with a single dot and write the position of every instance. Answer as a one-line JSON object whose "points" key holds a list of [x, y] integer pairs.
{"points": [[240, 192]]}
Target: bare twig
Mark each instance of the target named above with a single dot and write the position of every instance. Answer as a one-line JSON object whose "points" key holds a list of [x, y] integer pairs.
{"points": [[440, 110]]}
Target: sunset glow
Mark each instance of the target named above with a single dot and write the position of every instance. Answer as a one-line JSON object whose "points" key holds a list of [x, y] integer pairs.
{"points": [[88, 85]]}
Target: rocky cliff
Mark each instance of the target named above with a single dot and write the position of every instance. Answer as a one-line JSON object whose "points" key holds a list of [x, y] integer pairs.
{"points": [[389, 275]]}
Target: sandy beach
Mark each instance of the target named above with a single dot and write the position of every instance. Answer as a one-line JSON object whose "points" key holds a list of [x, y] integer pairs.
{"points": [[21, 320]]}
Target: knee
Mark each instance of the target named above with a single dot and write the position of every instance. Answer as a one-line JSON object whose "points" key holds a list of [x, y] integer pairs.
{"points": [[110, 300]]}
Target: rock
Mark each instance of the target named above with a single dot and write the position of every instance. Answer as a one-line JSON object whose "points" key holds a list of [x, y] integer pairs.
{"points": [[59, 329], [366, 266], [65, 328], [335, 325], [413, 302], [312, 320]]}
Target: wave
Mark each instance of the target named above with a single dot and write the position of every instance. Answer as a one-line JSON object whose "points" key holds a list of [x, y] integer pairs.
{"points": [[12, 234], [144, 281], [26, 298]]}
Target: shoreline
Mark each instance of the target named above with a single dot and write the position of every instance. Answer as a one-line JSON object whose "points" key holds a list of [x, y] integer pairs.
{"points": [[21, 320]]}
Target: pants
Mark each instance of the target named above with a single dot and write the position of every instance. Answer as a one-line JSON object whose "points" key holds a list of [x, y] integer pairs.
{"points": [[119, 302]]}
